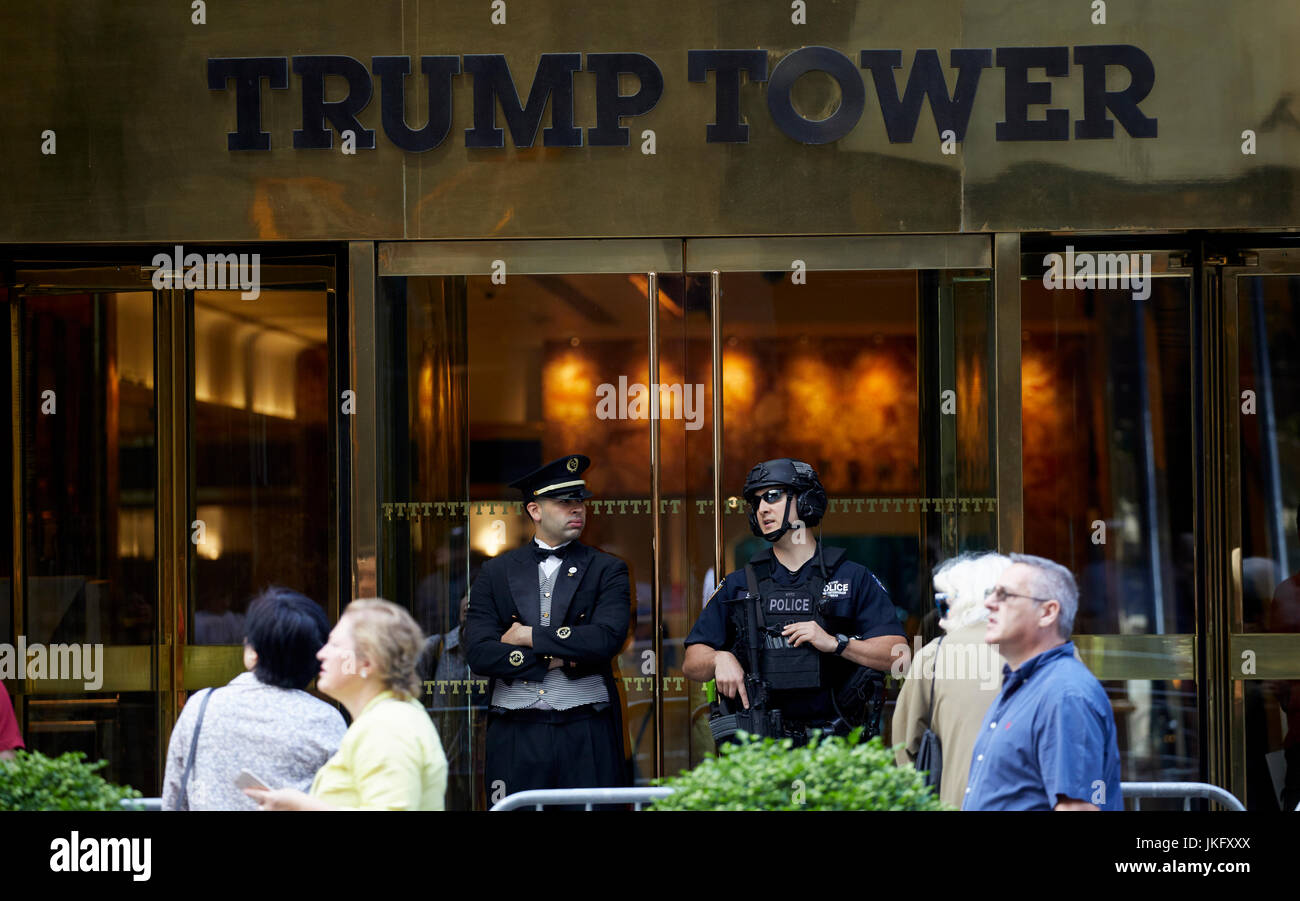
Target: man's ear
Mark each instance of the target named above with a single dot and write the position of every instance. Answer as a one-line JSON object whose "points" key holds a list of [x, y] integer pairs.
{"points": [[534, 511], [1053, 616]]}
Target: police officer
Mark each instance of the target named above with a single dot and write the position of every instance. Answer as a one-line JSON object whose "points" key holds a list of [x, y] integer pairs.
{"points": [[544, 622], [818, 617]]}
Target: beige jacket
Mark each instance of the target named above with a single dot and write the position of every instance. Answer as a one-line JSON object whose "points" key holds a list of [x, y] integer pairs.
{"points": [[966, 675]]}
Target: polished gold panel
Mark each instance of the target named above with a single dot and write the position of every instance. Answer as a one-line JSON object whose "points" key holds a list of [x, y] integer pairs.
{"points": [[212, 665], [1138, 656], [142, 152], [529, 257], [840, 254], [82, 278], [1258, 655], [1009, 447], [124, 668], [362, 427]]}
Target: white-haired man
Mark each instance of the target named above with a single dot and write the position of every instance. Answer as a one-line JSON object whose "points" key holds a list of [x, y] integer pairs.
{"points": [[955, 677], [1048, 742]]}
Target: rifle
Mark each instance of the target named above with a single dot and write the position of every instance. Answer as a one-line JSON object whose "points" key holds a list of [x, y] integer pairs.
{"points": [[729, 717]]}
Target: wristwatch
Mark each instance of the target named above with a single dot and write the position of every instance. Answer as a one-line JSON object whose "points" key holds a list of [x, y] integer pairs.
{"points": [[842, 643]]}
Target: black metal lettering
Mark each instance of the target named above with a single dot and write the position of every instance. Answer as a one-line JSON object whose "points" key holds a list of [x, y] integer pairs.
{"points": [[342, 114], [1124, 104], [248, 73], [926, 79], [727, 127], [1021, 93], [493, 83], [853, 95], [438, 72], [611, 106]]}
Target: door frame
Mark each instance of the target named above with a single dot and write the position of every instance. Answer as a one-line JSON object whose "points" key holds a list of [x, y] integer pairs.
{"points": [[710, 256], [1230, 644], [169, 668]]}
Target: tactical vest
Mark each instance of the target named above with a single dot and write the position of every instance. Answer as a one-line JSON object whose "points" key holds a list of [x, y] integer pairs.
{"points": [[787, 668]]}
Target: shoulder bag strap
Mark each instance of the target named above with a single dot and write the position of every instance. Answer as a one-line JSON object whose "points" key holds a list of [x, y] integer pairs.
{"points": [[929, 718], [194, 742]]}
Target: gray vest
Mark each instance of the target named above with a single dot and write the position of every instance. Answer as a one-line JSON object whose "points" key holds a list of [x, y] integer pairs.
{"points": [[557, 691]]}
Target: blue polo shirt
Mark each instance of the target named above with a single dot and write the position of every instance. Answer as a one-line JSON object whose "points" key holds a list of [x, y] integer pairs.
{"points": [[1049, 732]]}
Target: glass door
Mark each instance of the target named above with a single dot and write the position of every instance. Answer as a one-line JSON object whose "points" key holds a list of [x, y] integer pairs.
{"points": [[1111, 479], [873, 360], [494, 358], [171, 454], [80, 597], [1260, 293], [256, 427]]}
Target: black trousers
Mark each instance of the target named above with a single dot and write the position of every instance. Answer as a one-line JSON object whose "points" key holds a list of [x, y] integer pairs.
{"points": [[577, 748]]}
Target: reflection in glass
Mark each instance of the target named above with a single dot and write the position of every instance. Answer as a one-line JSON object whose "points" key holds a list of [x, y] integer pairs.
{"points": [[89, 476], [1109, 484], [6, 494], [261, 454], [1268, 318], [831, 372], [480, 384]]}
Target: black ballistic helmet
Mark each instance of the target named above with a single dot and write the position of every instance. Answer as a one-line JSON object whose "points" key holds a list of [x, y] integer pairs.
{"points": [[799, 479]]}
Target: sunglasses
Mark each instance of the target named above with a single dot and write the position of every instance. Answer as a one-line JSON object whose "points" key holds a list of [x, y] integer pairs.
{"points": [[942, 602], [771, 495]]}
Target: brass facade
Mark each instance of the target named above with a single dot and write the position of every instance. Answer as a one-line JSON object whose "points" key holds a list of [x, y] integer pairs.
{"points": [[142, 155]]}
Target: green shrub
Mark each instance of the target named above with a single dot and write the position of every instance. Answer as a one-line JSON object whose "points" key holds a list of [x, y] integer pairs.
{"points": [[32, 781], [829, 773]]}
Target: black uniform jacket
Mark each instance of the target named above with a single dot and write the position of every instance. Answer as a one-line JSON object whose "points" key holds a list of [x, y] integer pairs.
{"points": [[590, 612]]}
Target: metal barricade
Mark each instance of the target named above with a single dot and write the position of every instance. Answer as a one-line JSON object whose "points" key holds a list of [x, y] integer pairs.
{"points": [[539, 797], [1184, 790], [638, 796], [141, 803]]}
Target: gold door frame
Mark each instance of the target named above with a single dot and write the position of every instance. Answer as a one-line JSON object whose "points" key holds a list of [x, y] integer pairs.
{"points": [[169, 667], [883, 252], [1277, 655], [372, 261], [652, 257]]}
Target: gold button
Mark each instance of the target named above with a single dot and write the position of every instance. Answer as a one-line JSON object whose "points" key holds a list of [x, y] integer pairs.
{"points": [[541, 691]]}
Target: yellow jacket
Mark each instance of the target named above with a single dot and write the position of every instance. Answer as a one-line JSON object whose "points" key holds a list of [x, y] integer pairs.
{"points": [[389, 759]]}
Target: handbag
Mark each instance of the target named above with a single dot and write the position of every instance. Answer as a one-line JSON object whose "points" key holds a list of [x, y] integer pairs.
{"points": [[183, 801], [929, 756]]}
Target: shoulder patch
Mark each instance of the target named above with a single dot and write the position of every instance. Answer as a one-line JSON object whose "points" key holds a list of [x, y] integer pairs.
{"points": [[713, 593], [836, 588]]}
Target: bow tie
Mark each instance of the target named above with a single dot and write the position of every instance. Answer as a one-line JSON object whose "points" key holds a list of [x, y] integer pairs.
{"points": [[545, 553]]}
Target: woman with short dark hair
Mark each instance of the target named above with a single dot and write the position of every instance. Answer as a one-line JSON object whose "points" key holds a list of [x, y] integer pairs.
{"points": [[263, 721], [391, 757]]}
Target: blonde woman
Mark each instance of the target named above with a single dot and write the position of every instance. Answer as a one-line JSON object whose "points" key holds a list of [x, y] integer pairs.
{"points": [[390, 757]]}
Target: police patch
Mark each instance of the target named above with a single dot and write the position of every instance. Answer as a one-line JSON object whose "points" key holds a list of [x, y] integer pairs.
{"points": [[836, 589], [516, 657], [563, 632]]}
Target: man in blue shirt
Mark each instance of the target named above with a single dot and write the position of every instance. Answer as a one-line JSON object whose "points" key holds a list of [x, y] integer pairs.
{"points": [[1048, 742]]}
